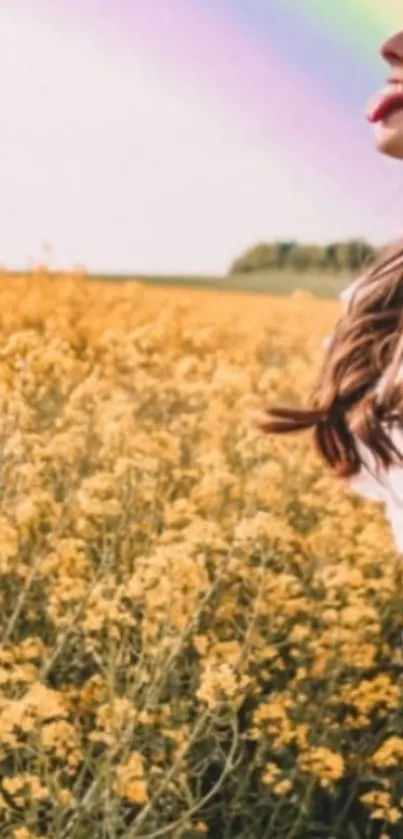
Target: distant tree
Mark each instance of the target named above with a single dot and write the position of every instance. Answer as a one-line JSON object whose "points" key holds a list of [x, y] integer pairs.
{"points": [[331, 257], [260, 257], [354, 255], [359, 254], [284, 252], [351, 255], [301, 259], [307, 257]]}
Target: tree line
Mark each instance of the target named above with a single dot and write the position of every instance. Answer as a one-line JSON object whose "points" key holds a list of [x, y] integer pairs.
{"points": [[335, 257]]}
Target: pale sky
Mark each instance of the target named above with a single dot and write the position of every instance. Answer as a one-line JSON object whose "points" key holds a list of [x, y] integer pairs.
{"points": [[122, 169]]}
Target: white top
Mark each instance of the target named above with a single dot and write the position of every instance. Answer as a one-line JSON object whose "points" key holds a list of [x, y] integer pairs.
{"points": [[385, 486]]}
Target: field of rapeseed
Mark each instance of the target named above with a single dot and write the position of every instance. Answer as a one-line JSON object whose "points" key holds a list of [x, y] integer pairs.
{"points": [[200, 629]]}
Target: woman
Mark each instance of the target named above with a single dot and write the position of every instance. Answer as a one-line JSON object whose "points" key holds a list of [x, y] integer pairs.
{"points": [[356, 409]]}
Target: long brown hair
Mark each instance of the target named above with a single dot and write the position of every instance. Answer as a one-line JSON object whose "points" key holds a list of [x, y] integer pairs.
{"points": [[357, 396]]}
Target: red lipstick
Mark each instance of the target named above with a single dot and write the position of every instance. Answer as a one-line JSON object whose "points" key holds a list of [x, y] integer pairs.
{"points": [[384, 104]]}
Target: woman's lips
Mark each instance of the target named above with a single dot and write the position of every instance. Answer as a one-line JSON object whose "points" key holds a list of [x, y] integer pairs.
{"points": [[383, 104]]}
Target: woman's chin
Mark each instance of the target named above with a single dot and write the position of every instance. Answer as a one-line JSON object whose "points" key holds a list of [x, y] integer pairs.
{"points": [[389, 141]]}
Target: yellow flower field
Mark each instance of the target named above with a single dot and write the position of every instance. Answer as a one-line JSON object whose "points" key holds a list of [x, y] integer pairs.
{"points": [[200, 628]]}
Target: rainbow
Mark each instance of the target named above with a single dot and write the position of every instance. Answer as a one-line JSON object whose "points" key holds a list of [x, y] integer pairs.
{"points": [[295, 75]]}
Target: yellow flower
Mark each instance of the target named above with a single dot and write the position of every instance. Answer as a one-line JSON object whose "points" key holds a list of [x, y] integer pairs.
{"points": [[380, 805], [389, 754], [24, 833], [324, 764], [62, 740], [130, 782], [270, 773], [282, 787]]}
